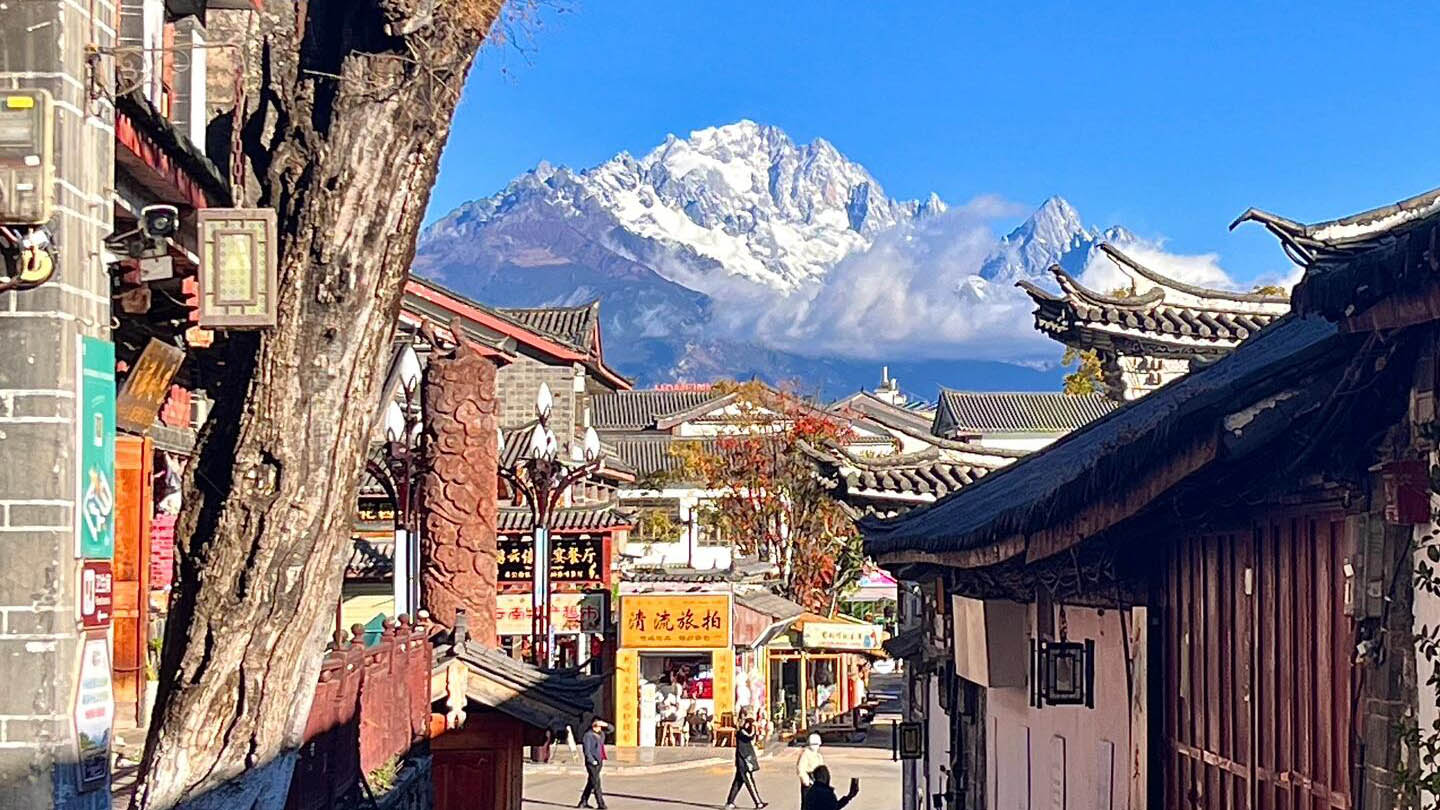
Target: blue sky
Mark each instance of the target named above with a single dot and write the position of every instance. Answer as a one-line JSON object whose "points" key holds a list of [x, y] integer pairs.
{"points": [[1167, 118]]}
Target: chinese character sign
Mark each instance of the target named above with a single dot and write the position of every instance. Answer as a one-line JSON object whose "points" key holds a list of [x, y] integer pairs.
{"points": [[95, 523], [569, 613], [839, 636], [572, 559], [675, 621]]}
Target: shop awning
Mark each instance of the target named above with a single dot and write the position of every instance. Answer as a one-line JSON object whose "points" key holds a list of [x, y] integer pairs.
{"points": [[781, 611]]}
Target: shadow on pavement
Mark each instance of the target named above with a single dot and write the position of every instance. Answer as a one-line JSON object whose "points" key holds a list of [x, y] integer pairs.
{"points": [[659, 800]]}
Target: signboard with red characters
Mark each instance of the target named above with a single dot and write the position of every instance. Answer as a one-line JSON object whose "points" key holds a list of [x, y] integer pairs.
{"points": [[97, 592]]}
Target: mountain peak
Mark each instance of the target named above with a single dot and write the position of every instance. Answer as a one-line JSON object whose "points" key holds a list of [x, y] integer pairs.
{"points": [[1053, 234]]}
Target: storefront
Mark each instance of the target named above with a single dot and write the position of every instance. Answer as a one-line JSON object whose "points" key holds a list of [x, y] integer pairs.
{"points": [[817, 670], [675, 669], [579, 620], [761, 617]]}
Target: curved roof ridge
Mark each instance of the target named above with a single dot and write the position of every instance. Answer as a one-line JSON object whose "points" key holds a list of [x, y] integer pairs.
{"points": [[1355, 232], [1072, 285], [1125, 262]]}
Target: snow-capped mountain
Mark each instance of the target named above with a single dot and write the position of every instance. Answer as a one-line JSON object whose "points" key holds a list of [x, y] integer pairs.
{"points": [[738, 251], [741, 200], [1054, 234]]}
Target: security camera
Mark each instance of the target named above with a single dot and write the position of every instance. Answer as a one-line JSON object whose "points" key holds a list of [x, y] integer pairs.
{"points": [[159, 221]]}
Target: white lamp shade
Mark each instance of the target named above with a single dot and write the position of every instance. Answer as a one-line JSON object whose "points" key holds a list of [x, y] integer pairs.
{"points": [[394, 422], [543, 401], [592, 443], [539, 444], [409, 369]]}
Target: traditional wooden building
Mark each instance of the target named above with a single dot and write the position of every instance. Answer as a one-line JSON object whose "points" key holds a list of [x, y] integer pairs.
{"points": [[1158, 331], [1204, 599]]}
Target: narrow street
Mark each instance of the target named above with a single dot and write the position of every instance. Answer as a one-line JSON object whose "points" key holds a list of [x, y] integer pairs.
{"points": [[706, 786]]}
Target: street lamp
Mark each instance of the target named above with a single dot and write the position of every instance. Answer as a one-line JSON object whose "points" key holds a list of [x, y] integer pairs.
{"points": [[542, 478]]}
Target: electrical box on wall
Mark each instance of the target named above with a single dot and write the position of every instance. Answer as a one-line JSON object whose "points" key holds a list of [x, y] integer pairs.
{"points": [[27, 160]]}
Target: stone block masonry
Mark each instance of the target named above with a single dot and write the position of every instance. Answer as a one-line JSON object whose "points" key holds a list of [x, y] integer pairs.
{"points": [[45, 46]]}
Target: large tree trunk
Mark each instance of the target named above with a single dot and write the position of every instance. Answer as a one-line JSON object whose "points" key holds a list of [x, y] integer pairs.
{"points": [[354, 107]]}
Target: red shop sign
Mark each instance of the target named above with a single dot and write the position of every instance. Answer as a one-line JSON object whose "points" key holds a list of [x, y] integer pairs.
{"points": [[97, 587]]}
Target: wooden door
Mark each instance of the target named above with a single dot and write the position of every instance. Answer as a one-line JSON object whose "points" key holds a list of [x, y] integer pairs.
{"points": [[1254, 621], [133, 503], [470, 779]]}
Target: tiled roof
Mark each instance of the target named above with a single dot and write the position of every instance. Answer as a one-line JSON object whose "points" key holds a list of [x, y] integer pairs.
{"points": [[770, 604], [636, 410], [567, 519], [553, 700], [1017, 412], [370, 559], [570, 325], [741, 570], [867, 404], [650, 455], [936, 477], [1057, 481], [887, 485], [1353, 263], [1169, 319]]}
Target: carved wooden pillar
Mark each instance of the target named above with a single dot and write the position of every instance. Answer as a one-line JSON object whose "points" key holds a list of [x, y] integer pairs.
{"points": [[458, 567]]}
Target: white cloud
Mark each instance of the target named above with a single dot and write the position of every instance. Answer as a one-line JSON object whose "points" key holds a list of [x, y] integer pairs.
{"points": [[916, 294], [913, 294], [1202, 269]]}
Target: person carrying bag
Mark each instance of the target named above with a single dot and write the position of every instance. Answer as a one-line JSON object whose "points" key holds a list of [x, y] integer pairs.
{"points": [[747, 762]]}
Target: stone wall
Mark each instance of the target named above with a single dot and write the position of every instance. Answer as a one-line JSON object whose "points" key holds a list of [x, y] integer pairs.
{"points": [[45, 47], [516, 385]]}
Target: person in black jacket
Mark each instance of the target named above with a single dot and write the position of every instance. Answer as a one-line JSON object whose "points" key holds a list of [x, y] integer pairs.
{"points": [[746, 764], [593, 745], [821, 796]]}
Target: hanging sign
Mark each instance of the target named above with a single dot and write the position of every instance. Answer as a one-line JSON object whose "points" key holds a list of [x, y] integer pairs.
{"points": [[94, 711], [97, 593], [569, 613], [162, 552], [238, 268], [145, 388], [841, 636], [675, 621], [95, 526], [572, 559]]}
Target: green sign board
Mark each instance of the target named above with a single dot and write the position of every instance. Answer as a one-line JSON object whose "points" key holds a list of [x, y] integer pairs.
{"points": [[95, 510]]}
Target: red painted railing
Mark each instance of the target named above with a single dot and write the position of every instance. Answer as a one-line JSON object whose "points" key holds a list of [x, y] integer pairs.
{"points": [[371, 704]]}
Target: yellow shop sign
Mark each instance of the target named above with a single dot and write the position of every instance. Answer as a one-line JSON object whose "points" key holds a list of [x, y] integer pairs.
{"points": [[675, 621]]}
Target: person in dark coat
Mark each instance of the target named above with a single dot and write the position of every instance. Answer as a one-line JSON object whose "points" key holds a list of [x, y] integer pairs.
{"points": [[821, 796], [593, 746], [746, 764]]}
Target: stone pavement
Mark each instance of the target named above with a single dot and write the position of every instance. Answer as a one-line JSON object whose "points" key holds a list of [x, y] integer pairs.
{"points": [[705, 786]]}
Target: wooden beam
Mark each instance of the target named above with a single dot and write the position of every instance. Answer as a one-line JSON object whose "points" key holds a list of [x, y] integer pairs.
{"points": [[968, 558]]}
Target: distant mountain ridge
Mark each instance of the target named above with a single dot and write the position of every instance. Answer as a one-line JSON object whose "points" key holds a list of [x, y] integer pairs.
{"points": [[737, 216]]}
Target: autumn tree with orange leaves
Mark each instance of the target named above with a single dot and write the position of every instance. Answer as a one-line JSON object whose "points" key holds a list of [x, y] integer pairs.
{"points": [[769, 502]]}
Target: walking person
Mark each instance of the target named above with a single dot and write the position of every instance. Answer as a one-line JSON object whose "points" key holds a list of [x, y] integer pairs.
{"points": [[821, 796], [593, 746], [746, 763], [810, 759]]}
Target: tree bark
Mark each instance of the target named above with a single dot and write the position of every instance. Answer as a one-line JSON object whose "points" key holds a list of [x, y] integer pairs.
{"points": [[343, 140]]}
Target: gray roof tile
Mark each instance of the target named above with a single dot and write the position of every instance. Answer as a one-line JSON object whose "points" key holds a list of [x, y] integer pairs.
{"points": [[1017, 412]]}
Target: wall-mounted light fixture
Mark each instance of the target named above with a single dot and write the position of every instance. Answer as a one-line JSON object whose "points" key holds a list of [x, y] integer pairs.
{"points": [[1062, 673]]}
